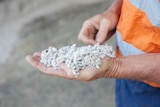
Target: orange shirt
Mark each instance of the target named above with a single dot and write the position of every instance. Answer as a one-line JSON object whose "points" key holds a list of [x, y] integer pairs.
{"points": [[138, 30]]}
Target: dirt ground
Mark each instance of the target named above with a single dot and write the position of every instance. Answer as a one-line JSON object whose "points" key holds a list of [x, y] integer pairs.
{"points": [[23, 86]]}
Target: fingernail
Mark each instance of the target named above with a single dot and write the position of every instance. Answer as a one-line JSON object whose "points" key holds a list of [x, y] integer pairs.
{"points": [[92, 42], [100, 41]]}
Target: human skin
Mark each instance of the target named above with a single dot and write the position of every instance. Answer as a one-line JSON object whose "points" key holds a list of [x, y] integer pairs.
{"points": [[99, 29], [102, 26]]}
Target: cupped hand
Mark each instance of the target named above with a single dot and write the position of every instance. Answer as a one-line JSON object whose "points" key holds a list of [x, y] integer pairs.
{"points": [[88, 74], [98, 28]]}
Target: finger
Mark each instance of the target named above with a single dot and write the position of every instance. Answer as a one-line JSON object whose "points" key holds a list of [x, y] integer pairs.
{"points": [[85, 74], [52, 47], [87, 40], [35, 62], [103, 31], [87, 33], [67, 70], [37, 54]]}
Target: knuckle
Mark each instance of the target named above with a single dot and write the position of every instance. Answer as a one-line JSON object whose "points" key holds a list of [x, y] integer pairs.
{"points": [[96, 17], [106, 20], [87, 22]]}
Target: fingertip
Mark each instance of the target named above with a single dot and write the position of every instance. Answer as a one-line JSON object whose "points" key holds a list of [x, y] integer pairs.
{"points": [[87, 40], [81, 37], [100, 41], [92, 42], [37, 54], [28, 57], [32, 59], [51, 47], [101, 37]]}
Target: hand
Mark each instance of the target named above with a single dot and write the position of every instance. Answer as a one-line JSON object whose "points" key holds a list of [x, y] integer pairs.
{"points": [[88, 74], [98, 28]]}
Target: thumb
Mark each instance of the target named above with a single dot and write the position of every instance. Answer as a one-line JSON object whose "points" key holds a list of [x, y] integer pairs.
{"points": [[103, 31]]}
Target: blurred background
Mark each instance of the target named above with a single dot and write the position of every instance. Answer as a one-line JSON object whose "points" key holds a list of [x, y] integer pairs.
{"points": [[27, 26]]}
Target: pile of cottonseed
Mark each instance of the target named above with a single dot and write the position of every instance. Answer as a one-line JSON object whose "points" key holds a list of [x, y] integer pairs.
{"points": [[76, 58]]}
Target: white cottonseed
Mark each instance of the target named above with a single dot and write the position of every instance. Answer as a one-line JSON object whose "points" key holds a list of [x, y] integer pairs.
{"points": [[76, 58]]}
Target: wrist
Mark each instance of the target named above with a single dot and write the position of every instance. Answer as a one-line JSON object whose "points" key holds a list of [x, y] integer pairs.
{"points": [[114, 65]]}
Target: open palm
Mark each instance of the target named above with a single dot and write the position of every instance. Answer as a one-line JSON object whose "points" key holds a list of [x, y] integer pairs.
{"points": [[88, 74]]}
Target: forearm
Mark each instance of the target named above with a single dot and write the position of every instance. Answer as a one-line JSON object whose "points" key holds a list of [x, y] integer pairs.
{"points": [[113, 14], [116, 7], [138, 67]]}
